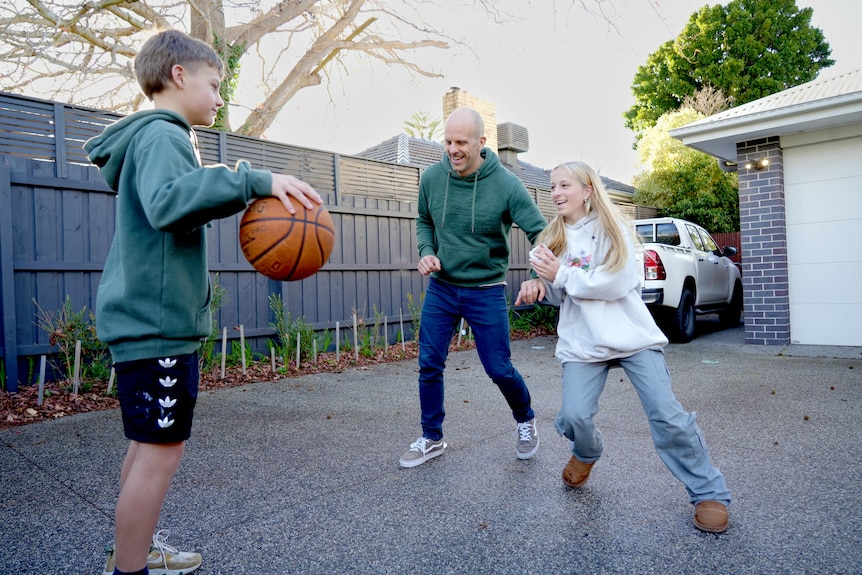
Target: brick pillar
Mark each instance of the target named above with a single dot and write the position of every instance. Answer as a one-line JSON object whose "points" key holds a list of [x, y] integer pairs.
{"points": [[458, 98], [763, 230]]}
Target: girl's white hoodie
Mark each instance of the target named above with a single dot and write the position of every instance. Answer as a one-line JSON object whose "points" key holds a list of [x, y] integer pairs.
{"points": [[602, 315]]}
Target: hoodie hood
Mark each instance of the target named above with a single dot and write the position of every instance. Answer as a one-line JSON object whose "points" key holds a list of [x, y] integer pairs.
{"points": [[108, 150], [465, 221], [491, 163]]}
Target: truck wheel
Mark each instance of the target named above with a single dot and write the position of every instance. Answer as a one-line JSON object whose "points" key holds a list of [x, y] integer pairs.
{"points": [[683, 320], [731, 316]]}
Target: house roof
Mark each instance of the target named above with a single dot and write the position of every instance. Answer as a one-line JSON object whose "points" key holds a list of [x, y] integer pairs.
{"points": [[822, 103], [404, 149], [410, 150]]}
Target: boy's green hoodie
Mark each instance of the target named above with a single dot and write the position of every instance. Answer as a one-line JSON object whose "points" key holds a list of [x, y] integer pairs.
{"points": [[154, 295], [466, 221]]}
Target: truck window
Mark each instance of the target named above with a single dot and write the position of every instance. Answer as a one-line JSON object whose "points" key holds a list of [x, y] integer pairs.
{"points": [[710, 244], [667, 234], [645, 233], [695, 238]]}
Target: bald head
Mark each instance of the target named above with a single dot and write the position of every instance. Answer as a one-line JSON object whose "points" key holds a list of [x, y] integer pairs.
{"points": [[469, 119], [464, 138]]}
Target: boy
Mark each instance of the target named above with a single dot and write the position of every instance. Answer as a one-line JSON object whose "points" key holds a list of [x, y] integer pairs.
{"points": [[153, 301]]}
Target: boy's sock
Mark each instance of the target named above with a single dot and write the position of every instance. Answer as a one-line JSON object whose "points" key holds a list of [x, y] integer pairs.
{"points": [[144, 571]]}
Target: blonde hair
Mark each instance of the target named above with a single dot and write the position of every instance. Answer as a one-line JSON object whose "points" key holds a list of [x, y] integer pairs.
{"points": [[610, 220]]}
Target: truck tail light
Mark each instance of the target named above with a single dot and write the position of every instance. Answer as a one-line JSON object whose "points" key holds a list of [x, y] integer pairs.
{"points": [[653, 267]]}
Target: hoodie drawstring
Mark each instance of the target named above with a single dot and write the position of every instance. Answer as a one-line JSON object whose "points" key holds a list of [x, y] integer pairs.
{"points": [[445, 199], [472, 205]]}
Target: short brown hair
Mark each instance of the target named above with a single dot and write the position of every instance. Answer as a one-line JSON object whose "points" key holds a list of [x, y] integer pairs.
{"points": [[161, 52]]}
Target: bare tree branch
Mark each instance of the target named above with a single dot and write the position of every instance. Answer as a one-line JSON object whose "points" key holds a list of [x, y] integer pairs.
{"points": [[81, 51]]}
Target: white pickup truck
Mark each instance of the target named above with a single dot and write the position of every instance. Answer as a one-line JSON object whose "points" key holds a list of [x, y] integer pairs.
{"points": [[685, 274]]}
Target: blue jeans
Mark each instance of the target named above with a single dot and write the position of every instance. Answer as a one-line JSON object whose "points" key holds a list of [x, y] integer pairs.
{"points": [[675, 434], [486, 311]]}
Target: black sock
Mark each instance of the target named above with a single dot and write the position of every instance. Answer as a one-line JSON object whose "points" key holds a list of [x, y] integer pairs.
{"points": [[144, 571]]}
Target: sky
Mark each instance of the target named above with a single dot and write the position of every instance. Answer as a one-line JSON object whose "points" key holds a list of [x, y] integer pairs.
{"points": [[554, 68]]}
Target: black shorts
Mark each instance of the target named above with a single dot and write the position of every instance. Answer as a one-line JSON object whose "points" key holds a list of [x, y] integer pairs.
{"points": [[157, 397]]}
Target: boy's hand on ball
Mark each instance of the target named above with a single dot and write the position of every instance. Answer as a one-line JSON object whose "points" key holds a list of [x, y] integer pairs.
{"points": [[284, 187]]}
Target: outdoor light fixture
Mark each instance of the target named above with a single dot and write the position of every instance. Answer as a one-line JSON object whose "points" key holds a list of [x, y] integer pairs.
{"points": [[758, 164]]}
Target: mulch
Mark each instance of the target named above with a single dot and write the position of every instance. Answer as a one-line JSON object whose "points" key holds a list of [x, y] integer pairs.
{"points": [[23, 408], [59, 399]]}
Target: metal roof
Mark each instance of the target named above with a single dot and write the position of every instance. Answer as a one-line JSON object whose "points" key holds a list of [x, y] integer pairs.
{"points": [[819, 104]]}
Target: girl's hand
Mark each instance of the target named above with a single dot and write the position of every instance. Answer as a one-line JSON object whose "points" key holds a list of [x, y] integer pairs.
{"points": [[545, 263]]}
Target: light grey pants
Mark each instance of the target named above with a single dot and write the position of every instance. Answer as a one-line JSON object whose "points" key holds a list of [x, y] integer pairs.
{"points": [[677, 439]]}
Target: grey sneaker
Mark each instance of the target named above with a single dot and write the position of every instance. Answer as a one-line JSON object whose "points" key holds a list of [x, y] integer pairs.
{"points": [[421, 451], [528, 439]]}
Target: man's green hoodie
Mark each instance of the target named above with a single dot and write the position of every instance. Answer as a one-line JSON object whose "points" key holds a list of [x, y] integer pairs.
{"points": [[465, 222], [154, 295]]}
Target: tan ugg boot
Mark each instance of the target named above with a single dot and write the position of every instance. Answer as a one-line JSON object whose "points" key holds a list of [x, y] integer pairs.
{"points": [[711, 516], [576, 472]]}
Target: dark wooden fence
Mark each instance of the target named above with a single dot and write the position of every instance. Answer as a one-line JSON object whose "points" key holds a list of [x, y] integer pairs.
{"points": [[57, 221]]}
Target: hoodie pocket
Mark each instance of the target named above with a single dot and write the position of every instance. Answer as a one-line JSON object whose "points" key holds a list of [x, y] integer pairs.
{"points": [[455, 261], [204, 323]]}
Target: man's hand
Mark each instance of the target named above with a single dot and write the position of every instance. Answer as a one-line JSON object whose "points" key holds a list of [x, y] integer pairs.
{"points": [[531, 291], [284, 187], [429, 264]]}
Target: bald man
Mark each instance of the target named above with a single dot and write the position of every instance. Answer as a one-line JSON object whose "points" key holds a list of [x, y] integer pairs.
{"points": [[467, 204]]}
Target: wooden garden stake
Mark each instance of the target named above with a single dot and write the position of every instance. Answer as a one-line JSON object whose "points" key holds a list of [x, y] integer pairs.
{"points": [[385, 334], [42, 380], [297, 350], [314, 351], [242, 347], [272, 358], [355, 338], [223, 351], [401, 321], [337, 344], [77, 373], [111, 380]]}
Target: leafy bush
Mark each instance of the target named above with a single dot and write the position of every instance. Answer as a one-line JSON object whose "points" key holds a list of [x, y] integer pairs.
{"points": [[65, 328]]}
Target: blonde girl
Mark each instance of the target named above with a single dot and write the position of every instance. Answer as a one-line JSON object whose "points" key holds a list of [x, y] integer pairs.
{"points": [[586, 263]]}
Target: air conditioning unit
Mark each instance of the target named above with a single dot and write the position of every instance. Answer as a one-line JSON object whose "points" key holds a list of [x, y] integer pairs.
{"points": [[512, 137]]}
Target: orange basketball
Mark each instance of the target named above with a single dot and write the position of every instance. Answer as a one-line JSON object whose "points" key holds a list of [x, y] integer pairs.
{"points": [[284, 246]]}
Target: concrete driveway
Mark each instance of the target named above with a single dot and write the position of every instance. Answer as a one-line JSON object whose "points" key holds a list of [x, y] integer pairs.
{"points": [[302, 476]]}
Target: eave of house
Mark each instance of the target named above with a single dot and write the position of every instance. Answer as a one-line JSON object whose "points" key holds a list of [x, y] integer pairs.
{"points": [[817, 105]]}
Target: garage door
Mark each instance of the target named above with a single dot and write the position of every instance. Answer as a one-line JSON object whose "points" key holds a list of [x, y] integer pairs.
{"points": [[823, 194]]}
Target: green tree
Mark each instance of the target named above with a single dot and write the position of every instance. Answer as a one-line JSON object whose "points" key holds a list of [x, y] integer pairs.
{"points": [[747, 49], [682, 182], [420, 125]]}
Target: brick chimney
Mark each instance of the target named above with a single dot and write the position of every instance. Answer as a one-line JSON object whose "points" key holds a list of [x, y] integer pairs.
{"points": [[458, 98]]}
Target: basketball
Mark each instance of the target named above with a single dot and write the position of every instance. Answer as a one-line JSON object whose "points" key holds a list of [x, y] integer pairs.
{"points": [[284, 246]]}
